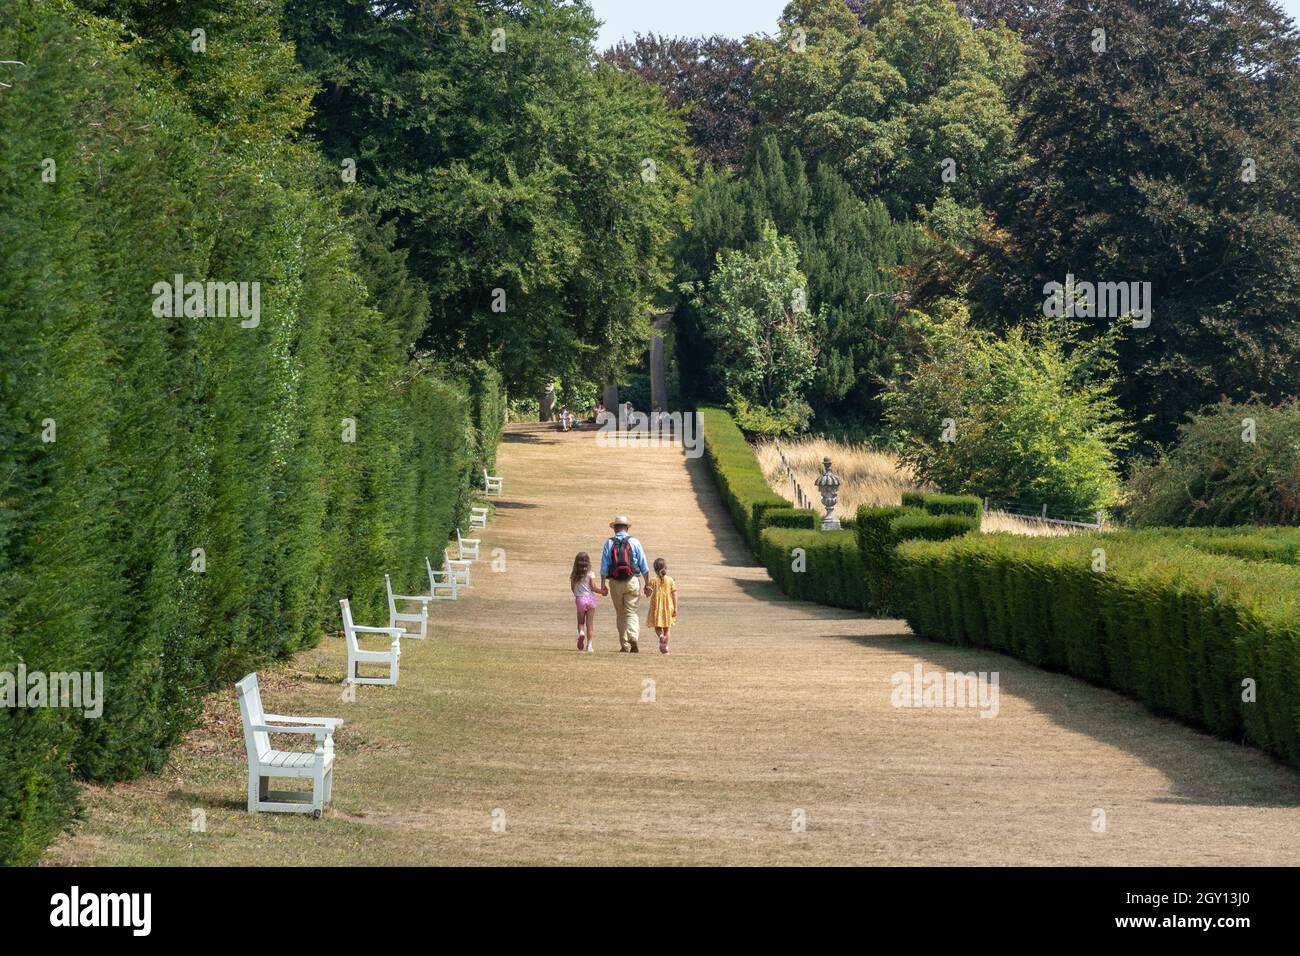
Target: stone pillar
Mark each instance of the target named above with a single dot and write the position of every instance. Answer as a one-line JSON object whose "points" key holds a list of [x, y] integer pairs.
{"points": [[611, 399], [658, 376], [546, 407]]}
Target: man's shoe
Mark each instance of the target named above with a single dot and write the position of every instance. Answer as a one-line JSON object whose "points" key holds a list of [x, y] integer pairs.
{"points": [[622, 650], [635, 649]]}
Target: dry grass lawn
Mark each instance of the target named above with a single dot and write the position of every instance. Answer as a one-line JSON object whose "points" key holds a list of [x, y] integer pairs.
{"points": [[766, 707]]}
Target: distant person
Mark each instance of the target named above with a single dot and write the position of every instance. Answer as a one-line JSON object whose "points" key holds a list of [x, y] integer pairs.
{"points": [[623, 565], [582, 582], [663, 604], [566, 419], [601, 415]]}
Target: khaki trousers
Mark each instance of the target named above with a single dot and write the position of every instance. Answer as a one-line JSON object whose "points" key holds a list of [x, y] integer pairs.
{"points": [[627, 598]]}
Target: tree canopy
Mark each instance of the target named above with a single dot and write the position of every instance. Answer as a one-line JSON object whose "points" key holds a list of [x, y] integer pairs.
{"points": [[907, 99], [1166, 154], [536, 194]]}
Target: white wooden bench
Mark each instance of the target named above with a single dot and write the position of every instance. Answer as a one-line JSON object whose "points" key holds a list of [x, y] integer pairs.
{"points": [[492, 483], [468, 546], [478, 517], [399, 619], [265, 763], [458, 568], [442, 584], [356, 656]]}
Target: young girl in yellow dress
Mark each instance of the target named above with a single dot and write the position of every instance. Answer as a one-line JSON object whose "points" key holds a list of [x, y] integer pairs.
{"points": [[663, 604]]}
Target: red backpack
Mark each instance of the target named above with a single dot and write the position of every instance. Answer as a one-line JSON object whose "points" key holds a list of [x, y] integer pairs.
{"points": [[621, 567]]}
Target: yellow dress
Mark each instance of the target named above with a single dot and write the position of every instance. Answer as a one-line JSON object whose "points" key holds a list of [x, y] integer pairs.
{"points": [[661, 602]]}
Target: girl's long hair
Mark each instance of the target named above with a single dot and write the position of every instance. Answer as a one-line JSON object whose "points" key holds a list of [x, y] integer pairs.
{"points": [[661, 566], [581, 568]]}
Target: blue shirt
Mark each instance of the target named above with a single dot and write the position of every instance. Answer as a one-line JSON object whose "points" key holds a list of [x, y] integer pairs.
{"points": [[638, 556]]}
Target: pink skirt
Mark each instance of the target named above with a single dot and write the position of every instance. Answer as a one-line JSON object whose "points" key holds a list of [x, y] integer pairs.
{"points": [[585, 602]]}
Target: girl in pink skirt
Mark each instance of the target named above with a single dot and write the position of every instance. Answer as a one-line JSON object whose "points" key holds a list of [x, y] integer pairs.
{"points": [[582, 582]]}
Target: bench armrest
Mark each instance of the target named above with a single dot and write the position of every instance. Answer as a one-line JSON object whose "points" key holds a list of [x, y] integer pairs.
{"points": [[323, 721], [391, 631], [412, 597], [320, 733]]}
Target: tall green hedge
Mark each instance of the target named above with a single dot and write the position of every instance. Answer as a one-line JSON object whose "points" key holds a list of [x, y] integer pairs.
{"points": [[881, 530], [730, 457], [821, 566], [1182, 631], [183, 498]]}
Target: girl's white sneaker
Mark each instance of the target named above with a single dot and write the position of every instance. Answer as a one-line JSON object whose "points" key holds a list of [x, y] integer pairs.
{"points": [[591, 646]]}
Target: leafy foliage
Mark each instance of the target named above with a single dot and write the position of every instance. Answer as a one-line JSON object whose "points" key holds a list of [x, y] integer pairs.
{"points": [[847, 250], [712, 78], [1170, 158], [755, 312], [1029, 417], [1172, 627], [520, 168], [741, 484], [888, 95], [178, 500], [831, 568], [880, 531], [1232, 465]]}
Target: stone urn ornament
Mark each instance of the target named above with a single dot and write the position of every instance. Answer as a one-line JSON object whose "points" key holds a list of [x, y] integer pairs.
{"points": [[829, 484]]}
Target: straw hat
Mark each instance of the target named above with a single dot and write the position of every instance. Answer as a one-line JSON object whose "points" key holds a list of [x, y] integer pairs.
{"points": [[621, 520]]}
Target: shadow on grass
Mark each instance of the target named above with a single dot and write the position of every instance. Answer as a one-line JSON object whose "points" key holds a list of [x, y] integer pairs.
{"points": [[207, 801], [1202, 769], [735, 551], [520, 437]]}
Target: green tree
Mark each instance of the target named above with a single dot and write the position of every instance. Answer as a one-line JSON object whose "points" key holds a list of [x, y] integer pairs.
{"points": [[1169, 157], [1030, 417], [848, 249], [1233, 464], [756, 314], [891, 96], [508, 162]]}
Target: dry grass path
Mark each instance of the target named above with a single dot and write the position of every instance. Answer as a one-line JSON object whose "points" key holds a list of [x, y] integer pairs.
{"points": [[766, 707]]}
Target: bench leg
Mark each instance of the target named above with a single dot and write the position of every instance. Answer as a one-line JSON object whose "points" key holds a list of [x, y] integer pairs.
{"points": [[257, 790]]}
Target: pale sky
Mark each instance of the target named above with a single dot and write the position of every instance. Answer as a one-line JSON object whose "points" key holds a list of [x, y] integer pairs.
{"points": [[690, 18], [733, 18]]}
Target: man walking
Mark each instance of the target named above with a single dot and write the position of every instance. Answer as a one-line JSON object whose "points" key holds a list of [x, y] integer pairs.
{"points": [[623, 564]]}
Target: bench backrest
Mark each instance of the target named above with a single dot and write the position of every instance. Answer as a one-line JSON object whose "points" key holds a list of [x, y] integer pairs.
{"points": [[348, 626], [392, 605], [433, 586], [250, 709]]}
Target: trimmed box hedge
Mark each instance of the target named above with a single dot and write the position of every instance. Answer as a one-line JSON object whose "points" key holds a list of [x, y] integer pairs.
{"points": [[937, 504], [879, 532], [1175, 628], [803, 518], [741, 484], [1281, 545], [832, 565]]}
